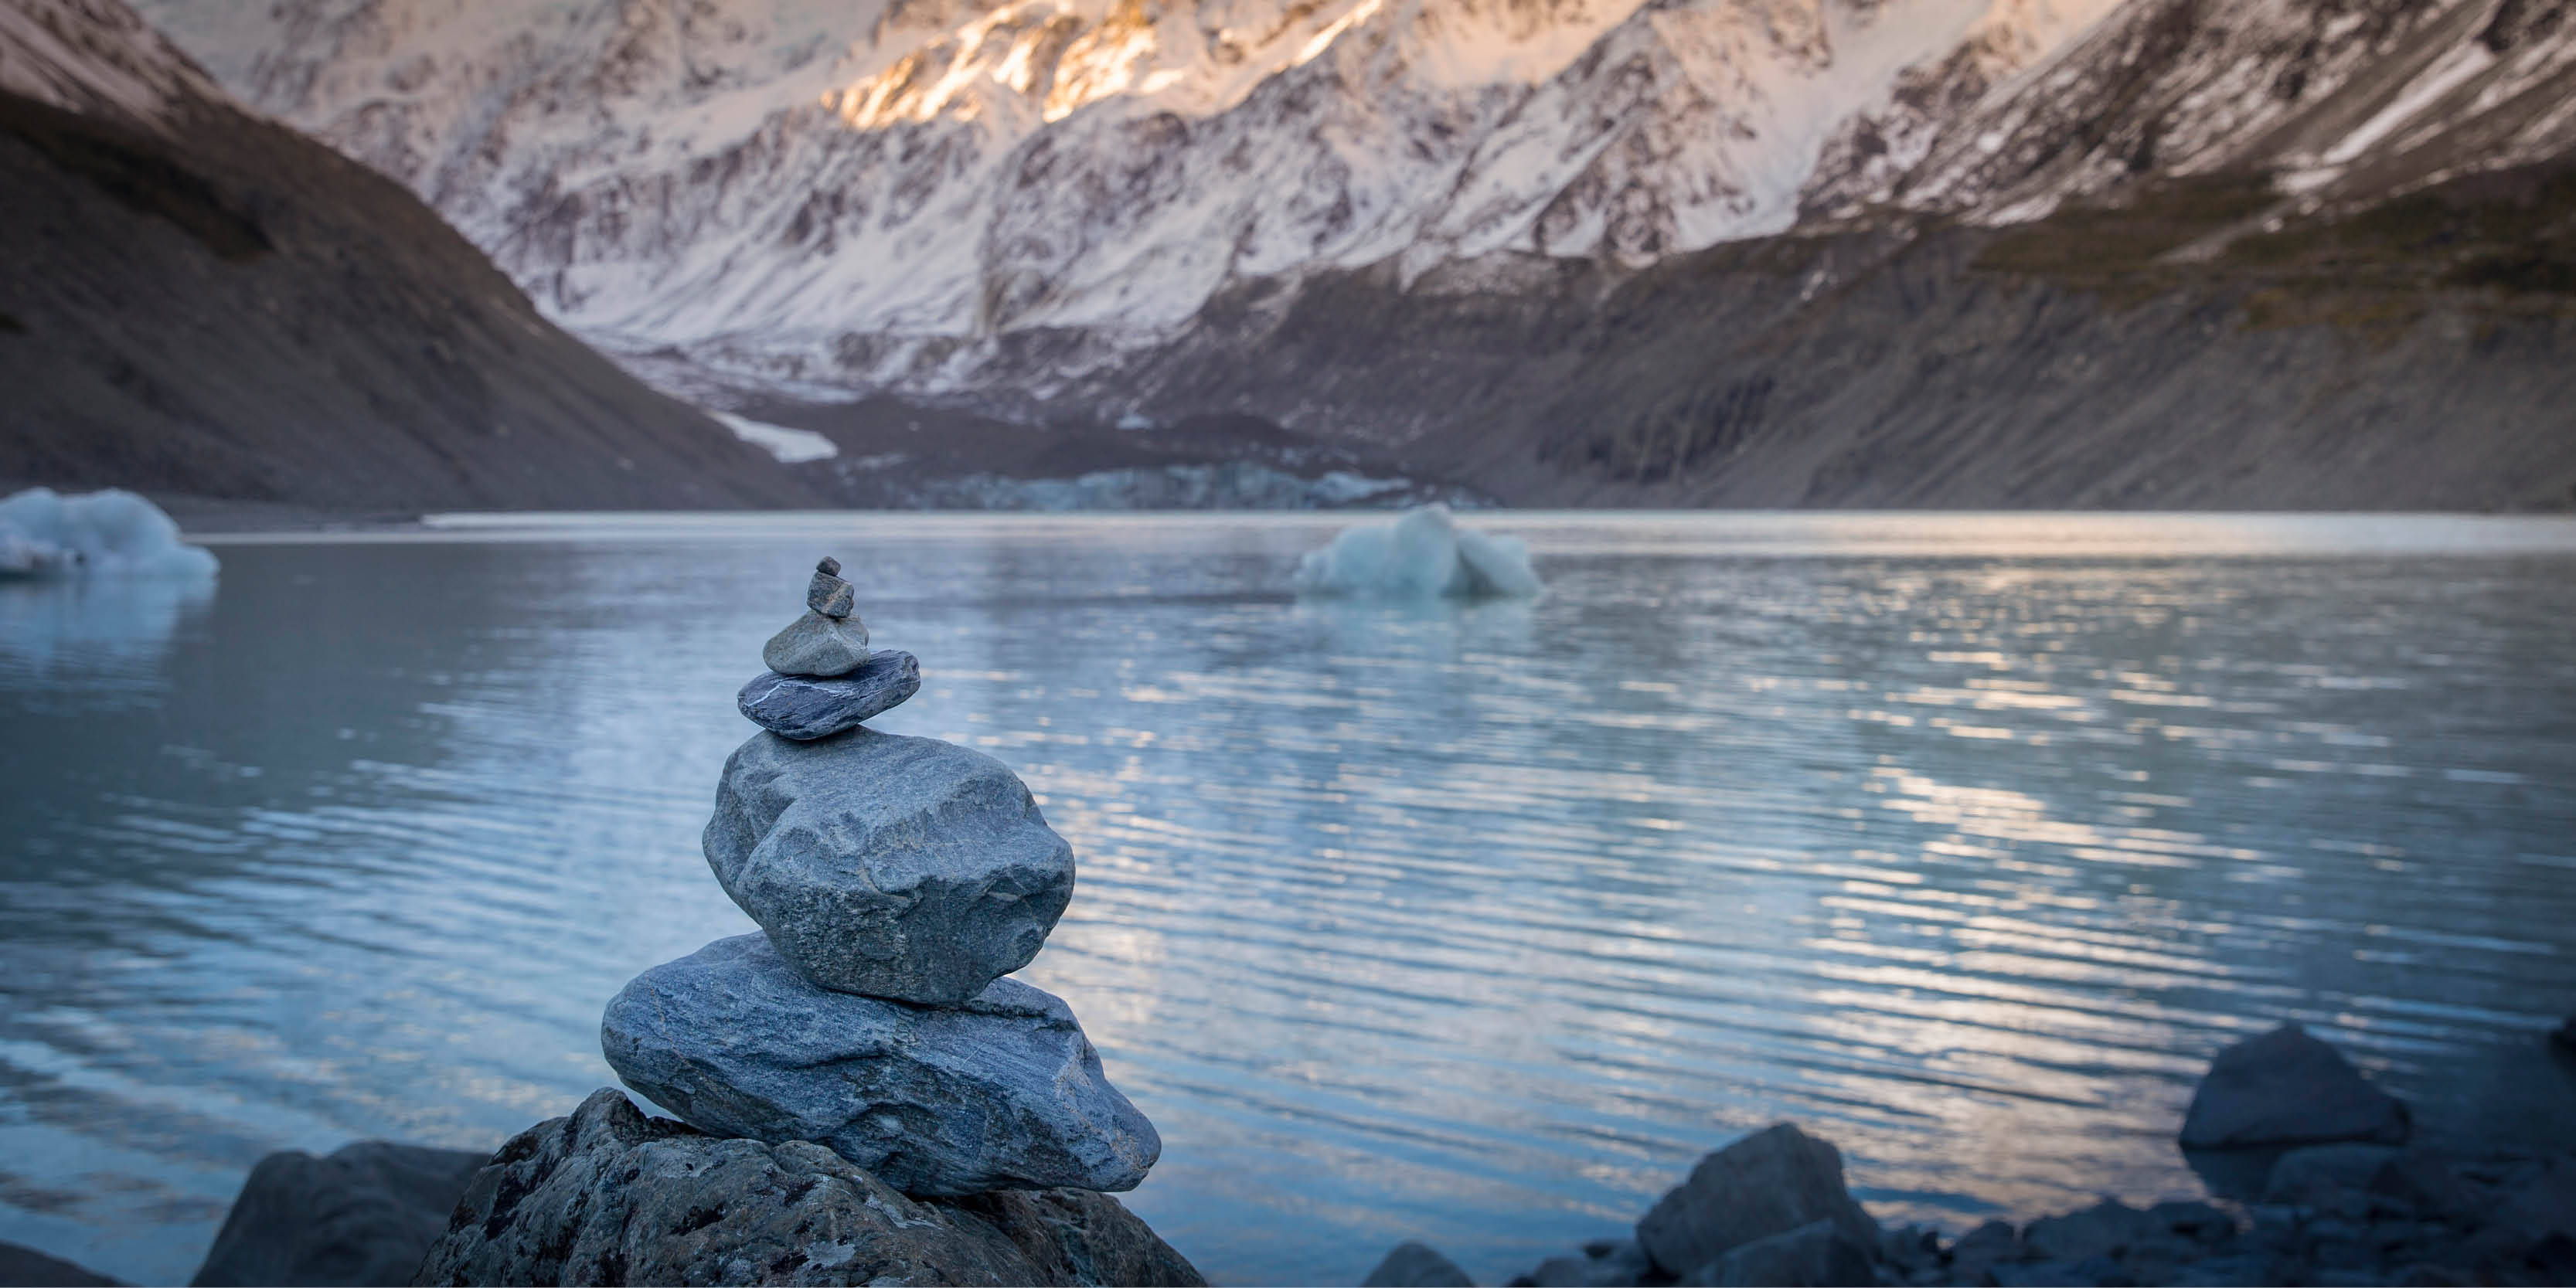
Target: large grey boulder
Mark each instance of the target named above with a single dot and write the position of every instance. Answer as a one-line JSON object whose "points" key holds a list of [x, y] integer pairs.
{"points": [[805, 708], [1771, 1182], [362, 1214], [2288, 1088], [897, 867], [1002, 1092], [609, 1196]]}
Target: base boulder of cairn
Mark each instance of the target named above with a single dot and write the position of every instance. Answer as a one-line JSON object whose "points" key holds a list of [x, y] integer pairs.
{"points": [[1002, 1092], [610, 1196], [904, 868]]}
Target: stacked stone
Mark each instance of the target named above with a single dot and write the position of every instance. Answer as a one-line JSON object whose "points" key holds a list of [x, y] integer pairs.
{"points": [[895, 881]]}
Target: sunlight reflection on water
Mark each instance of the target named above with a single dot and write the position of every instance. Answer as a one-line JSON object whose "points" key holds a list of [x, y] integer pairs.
{"points": [[1961, 839]]}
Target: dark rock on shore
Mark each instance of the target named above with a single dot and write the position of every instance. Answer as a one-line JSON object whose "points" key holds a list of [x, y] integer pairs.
{"points": [[1772, 1182], [1415, 1265], [609, 1196], [362, 1214], [1001, 1092], [1772, 1209], [2288, 1088], [24, 1267], [1818, 1254], [805, 707]]}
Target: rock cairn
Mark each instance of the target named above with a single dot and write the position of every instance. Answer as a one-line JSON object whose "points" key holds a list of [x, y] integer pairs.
{"points": [[895, 881]]}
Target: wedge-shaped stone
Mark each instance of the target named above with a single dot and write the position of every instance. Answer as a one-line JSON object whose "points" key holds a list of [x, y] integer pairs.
{"points": [[817, 645], [897, 867], [807, 707], [1003, 1092]]}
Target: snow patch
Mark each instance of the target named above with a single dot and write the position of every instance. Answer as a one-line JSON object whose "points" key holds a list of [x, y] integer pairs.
{"points": [[790, 446], [112, 533], [1422, 554]]}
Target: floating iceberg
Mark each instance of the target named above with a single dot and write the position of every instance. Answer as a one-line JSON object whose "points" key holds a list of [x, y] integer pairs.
{"points": [[115, 533], [1422, 554]]}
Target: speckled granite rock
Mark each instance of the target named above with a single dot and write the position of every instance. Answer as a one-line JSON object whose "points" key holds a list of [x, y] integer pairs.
{"points": [[609, 1196], [806, 707], [906, 868], [1002, 1092]]}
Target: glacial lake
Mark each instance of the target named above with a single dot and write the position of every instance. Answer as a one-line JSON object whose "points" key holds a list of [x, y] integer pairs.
{"points": [[1962, 840]]}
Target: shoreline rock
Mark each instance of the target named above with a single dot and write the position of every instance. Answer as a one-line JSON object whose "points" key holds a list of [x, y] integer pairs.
{"points": [[2287, 1088], [610, 1196], [362, 1214], [1773, 1208]]}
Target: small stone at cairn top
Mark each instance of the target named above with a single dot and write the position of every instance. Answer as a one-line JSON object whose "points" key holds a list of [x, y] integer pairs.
{"points": [[827, 593]]}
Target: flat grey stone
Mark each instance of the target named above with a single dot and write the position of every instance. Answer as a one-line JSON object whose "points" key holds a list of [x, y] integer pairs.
{"points": [[817, 645], [1416, 1265], [1815, 1255], [906, 868], [362, 1214], [1003, 1092], [829, 595], [609, 1196], [1771, 1182], [806, 707], [2288, 1088]]}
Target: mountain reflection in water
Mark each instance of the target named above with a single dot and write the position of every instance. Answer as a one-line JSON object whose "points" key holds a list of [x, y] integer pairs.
{"points": [[1962, 840]]}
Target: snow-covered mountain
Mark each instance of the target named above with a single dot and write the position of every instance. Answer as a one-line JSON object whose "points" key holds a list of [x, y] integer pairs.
{"points": [[889, 192], [2329, 99]]}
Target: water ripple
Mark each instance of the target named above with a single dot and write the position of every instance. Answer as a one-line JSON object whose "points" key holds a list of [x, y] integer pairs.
{"points": [[1963, 839]]}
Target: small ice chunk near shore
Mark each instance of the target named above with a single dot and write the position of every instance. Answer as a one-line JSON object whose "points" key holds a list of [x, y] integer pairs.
{"points": [[114, 533], [1424, 553]]}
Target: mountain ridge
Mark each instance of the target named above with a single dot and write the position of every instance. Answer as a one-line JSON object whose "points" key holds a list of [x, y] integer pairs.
{"points": [[2283, 221], [202, 302]]}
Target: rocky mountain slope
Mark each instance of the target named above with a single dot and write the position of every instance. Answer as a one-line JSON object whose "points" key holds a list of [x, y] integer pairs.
{"points": [[1762, 252], [196, 300]]}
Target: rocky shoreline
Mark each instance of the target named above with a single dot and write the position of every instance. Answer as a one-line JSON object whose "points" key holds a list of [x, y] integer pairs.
{"points": [[2342, 1202], [609, 1195]]}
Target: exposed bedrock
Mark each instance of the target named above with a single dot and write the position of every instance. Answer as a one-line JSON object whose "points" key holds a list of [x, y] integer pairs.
{"points": [[610, 1196], [1002, 1091], [906, 868]]}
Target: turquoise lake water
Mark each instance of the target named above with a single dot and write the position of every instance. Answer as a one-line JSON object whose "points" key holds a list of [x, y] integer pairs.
{"points": [[1962, 840]]}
